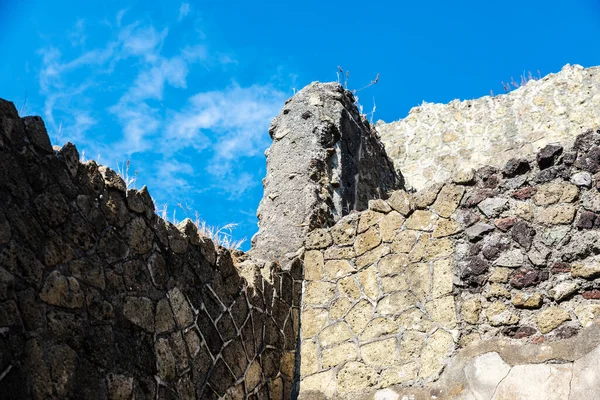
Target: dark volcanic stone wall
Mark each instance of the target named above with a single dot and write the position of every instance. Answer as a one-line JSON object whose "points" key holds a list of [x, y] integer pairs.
{"points": [[102, 299]]}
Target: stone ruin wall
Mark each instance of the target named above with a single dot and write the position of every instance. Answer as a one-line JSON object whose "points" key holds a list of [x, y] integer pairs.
{"points": [[325, 161], [435, 140], [483, 287], [102, 299]]}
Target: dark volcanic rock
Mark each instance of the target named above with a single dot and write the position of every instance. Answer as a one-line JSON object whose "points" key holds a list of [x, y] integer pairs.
{"points": [[548, 155]]}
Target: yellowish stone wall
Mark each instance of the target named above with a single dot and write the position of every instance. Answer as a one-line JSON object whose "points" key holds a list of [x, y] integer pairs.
{"points": [[378, 307], [435, 140]]}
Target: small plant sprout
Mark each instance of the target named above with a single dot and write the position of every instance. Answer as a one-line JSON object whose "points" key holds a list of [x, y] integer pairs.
{"points": [[123, 172], [523, 79]]}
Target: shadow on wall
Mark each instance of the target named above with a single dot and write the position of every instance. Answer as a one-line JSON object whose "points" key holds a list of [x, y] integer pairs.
{"points": [[102, 299]]}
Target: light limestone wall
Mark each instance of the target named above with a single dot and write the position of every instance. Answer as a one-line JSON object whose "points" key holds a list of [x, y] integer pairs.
{"points": [[436, 139], [391, 293]]}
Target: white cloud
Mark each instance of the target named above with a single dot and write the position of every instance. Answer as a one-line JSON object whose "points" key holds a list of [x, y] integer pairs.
{"points": [[226, 125], [184, 10], [237, 117]]}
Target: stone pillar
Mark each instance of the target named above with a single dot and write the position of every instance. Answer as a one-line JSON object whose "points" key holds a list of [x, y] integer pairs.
{"points": [[325, 161]]}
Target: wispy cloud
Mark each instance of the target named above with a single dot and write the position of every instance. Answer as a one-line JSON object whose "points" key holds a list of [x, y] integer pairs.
{"points": [[225, 125], [184, 10]]}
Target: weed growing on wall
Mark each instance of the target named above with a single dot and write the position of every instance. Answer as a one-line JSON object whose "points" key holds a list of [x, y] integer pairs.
{"points": [[524, 78], [346, 75]]}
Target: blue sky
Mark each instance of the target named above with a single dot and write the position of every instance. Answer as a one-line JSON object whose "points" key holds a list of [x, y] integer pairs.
{"points": [[186, 90]]}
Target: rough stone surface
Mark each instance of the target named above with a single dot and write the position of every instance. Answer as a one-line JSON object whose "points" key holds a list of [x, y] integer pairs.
{"points": [[492, 130], [324, 162], [102, 299]]}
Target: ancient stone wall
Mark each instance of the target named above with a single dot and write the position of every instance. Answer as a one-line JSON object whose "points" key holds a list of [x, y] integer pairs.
{"points": [[102, 299], [325, 161], [435, 140], [490, 258]]}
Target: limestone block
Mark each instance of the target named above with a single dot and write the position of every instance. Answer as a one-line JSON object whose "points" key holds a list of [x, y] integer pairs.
{"points": [[399, 200], [140, 311], [164, 319], [421, 220], [379, 327], [324, 383], [438, 345], [359, 316], [498, 314], [368, 281], [585, 382], [496, 290], [355, 376], [411, 345], [418, 277], [555, 192], [556, 214], [425, 197], [404, 241], [338, 355], [318, 239], [369, 218], [588, 269], [395, 303], [182, 311], [349, 287], [378, 353], [379, 205], [500, 275], [335, 333], [442, 311], [367, 241], [392, 264], [448, 199], [563, 290], [446, 227], [470, 310], [389, 225], [313, 320], [414, 319], [344, 231], [394, 375], [525, 300], [335, 269], [438, 249], [319, 293], [313, 265], [337, 253], [339, 308], [418, 251], [393, 283], [587, 314], [372, 256], [551, 318]]}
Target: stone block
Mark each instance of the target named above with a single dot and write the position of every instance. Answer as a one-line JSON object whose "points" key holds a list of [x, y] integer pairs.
{"points": [[551, 318], [380, 353], [421, 220]]}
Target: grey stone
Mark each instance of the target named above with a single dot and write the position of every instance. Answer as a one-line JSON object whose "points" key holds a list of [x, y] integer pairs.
{"points": [[563, 290], [493, 206], [323, 163], [478, 231], [582, 179], [510, 258]]}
